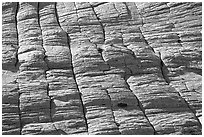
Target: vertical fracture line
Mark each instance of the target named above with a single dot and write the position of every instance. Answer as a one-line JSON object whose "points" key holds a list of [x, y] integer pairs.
{"points": [[80, 94], [17, 67], [125, 79], [17, 61], [47, 68], [72, 67], [139, 103], [101, 24], [139, 14], [111, 107], [77, 16]]}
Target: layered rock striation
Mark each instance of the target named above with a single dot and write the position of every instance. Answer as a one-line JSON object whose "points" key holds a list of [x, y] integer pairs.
{"points": [[101, 68]]}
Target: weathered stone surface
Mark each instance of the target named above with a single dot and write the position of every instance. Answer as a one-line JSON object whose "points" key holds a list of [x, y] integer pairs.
{"points": [[101, 68]]}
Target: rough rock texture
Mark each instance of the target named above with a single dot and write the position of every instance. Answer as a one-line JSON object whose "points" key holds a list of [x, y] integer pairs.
{"points": [[101, 68]]}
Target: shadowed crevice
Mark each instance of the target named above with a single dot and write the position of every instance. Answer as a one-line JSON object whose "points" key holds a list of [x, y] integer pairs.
{"points": [[141, 107], [45, 73], [111, 107], [17, 66], [164, 70], [101, 24], [72, 67]]}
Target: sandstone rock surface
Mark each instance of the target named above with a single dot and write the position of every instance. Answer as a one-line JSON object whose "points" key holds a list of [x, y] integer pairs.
{"points": [[101, 68]]}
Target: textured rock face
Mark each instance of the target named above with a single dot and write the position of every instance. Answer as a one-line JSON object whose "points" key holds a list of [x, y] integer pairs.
{"points": [[101, 68]]}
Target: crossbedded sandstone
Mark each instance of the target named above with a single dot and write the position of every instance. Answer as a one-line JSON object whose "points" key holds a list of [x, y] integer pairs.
{"points": [[101, 68]]}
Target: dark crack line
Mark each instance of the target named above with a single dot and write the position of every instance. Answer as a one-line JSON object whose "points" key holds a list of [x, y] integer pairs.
{"points": [[117, 124], [80, 95], [17, 66], [139, 103], [96, 5], [163, 69], [128, 10], [140, 15], [72, 67], [76, 12], [162, 66], [100, 51], [16, 55], [118, 17], [189, 106], [56, 15], [141, 107], [101, 24], [143, 37], [45, 71], [111, 107]]}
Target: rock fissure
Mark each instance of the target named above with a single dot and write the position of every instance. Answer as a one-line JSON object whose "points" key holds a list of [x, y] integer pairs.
{"points": [[45, 72], [80, 95], [57, 17], [187, 103], [74, 77], [76, 12], [190, 108], [101, 24], [98, 4], [111, 107], [142, 20], [164, 70], [16, 54], [128, 10], [141, 107], [17, 66], [116, 11]]}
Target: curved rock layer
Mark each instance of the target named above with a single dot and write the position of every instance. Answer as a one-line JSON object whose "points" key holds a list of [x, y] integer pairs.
{"points": [[101, 68]]}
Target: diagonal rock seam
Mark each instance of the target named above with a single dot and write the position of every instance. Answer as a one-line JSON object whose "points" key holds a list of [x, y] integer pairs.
{"points": [[164, 70], [162, 66], [167, 79], [101, 24], [128, 10], [189, 106], [141, 108]]}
